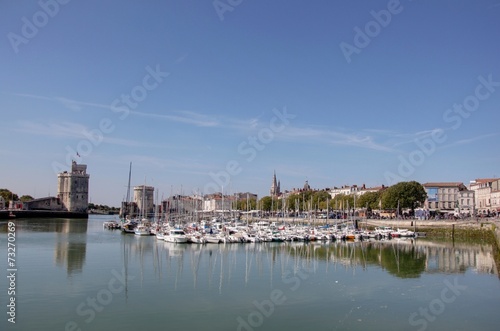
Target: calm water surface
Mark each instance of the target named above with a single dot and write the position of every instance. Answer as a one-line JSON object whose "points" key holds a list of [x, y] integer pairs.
{"points": [[73, 274]]}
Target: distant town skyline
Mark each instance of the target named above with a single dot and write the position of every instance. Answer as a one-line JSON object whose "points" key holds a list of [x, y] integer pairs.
{"points": [[198, 97]]}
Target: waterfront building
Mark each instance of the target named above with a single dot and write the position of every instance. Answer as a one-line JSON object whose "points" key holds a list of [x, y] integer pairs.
{"points": [[443, 196], [181, 204], [365, 189], [144, 200], [344, 190], [2, 203], [73, 188], [217, 202], [483, 188], [465, 203], [495, 201], [47, 203]]}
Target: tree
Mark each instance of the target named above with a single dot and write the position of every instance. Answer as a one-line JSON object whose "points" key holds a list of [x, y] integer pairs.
{"points": [[293, 201], [370, 199], [26, 198], [265, 203], [342, 201], [319, 199], [243, 204], [8, 195], [406, 194]]}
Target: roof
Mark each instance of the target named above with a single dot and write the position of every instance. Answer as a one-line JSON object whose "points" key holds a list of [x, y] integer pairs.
{"points": [[485, 180], [443, 184]]}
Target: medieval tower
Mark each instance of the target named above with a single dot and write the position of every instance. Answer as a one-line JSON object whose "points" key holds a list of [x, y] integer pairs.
{"points": [[143, 198], [73, 188]]}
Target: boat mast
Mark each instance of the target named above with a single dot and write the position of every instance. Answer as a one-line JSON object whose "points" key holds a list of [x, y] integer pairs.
{"points": [[127, 206]]}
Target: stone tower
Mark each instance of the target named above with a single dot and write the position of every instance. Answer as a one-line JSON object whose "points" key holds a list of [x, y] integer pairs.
{"points": [[143, 198], [73, 188]]}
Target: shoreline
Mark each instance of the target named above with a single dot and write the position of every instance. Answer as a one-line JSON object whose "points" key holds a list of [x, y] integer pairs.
{"points": [[7, 214]]}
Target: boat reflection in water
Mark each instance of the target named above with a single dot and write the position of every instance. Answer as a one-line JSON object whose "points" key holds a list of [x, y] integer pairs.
{"points": [[403, 258]]}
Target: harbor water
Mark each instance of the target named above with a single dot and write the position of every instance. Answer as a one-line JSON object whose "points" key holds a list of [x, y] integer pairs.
{"points": [[76, 275]]}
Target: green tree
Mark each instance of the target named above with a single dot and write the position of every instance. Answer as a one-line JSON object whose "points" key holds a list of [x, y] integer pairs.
{"points": [[370, 199], [265, 203], [243, 204], [26, 198], [8, 195], [407, 194], [293, 202], [319, 199], [342, 201]]}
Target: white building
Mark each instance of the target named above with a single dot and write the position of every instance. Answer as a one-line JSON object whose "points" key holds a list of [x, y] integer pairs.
{"points": [[495, 201], [443, 196], [217, 202], [2, 203], [483, 188], [345, 190], [466, 203], [73, 188]]}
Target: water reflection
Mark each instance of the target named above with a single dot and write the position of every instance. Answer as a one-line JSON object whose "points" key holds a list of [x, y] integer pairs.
{"points": [[216, 265], [70, 241]]}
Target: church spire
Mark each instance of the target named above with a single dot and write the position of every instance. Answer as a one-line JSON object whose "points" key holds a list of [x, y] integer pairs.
{"points": [[275, 186]]}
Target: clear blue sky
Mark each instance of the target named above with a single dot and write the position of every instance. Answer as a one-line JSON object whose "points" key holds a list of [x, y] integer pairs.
{"points": [[355, 102]]}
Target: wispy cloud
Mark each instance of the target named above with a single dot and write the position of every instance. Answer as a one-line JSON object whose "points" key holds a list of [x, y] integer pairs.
{"points": [[178, 116], [70, 130], [379, 140], [334, 137], [60, 130], [183, 116], [471, 140]]}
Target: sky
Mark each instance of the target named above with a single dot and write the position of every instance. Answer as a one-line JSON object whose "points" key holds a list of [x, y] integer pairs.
{"points": [[204, 96]]}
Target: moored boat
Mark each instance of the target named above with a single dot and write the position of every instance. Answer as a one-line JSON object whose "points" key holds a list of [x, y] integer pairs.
{"points": [[176, 236]]}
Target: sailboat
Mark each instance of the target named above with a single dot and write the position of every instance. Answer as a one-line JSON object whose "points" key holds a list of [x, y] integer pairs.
{"points": [[128, 225], [144, 228]]}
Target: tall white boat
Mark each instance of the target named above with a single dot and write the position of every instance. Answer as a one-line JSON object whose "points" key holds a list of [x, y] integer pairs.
{"points": [[176, 236]]}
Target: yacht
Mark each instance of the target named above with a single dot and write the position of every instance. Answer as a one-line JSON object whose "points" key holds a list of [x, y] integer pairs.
{"points": [[176, 236], [142, 230]]}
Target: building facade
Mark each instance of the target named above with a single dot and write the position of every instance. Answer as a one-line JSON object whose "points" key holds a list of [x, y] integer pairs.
{"points": [[495, 202], [48, 203], [73, 188], [344, 190], [466, 203], [217, 203], [483, 188], [443, 196]]}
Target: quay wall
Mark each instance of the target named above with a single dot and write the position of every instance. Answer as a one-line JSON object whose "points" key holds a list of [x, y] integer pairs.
{"points": [[7, 214]]}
